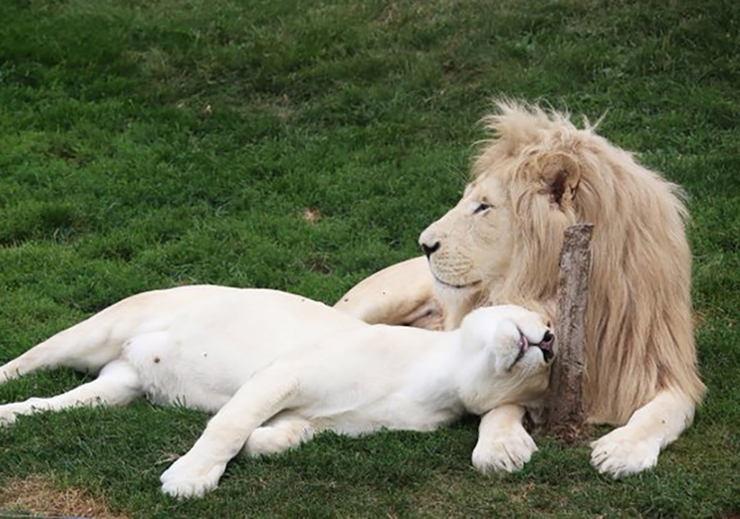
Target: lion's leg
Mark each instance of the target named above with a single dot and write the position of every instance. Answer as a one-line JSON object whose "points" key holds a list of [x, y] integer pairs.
{"points": [[117, 384], [266, 394], [278, 435], [635, 446], [400, 294], [503, 443]]}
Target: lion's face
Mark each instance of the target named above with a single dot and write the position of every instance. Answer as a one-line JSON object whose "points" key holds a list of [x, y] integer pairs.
{"points": [[471, 245], [501, 244]]}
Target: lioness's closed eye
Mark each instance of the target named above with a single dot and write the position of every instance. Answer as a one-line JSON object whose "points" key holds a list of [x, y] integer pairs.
{"points": [[277, 368]]}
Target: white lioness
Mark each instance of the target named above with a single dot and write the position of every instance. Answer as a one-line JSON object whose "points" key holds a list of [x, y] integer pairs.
{"points": [[278, 368]]}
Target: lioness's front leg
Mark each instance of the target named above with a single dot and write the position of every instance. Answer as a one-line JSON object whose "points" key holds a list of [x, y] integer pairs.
{"points": [[400, 294], [199, 471], [503, 443]]}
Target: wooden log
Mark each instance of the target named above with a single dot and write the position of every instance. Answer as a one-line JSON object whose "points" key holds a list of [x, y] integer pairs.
{"points": [[566, 415]]}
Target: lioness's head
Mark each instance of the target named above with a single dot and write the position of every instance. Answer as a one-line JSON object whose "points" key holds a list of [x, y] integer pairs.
{"points": [[516, 346]]}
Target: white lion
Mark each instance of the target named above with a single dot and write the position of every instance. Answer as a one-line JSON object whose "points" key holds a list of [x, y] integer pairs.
{"points": [[278, 368], [501, 244]]}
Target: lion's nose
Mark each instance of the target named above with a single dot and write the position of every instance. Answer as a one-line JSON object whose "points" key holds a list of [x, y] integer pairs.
{"points": [[430, 249]]}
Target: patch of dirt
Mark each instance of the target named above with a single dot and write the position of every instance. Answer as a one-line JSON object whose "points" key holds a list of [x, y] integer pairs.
{"points": [[311, 216], [40, 494], [319, 263]]}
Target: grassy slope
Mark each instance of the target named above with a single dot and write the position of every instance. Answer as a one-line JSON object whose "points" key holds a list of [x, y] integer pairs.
{"points": [[147, 144]]}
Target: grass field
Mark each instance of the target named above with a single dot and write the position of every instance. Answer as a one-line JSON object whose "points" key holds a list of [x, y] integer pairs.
{"points": [[302, 146]]}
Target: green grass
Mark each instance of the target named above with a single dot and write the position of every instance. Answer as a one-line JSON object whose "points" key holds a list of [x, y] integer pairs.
{"points": [[145, 144]]}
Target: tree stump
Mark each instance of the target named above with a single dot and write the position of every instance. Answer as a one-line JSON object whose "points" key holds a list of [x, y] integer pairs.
{"points": [[566, 415]]}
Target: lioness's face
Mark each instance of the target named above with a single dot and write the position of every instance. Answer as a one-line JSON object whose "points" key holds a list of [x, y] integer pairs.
{"points": [[518, 347], [516, 338], [471, 246]]}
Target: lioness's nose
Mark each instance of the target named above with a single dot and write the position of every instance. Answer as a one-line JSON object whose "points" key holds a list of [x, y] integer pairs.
{"points": [[547, 340], [430, 249]]}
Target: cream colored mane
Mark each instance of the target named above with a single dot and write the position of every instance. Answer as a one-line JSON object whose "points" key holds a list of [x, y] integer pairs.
{"points": [[640, 336]]}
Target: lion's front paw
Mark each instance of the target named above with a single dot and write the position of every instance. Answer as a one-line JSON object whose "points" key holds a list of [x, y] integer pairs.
{"points": [[188, 478], [623, 452], [505, 453]]}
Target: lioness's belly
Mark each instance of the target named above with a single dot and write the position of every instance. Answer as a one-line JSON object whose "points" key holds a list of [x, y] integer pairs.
{"points": [[211, 347]]}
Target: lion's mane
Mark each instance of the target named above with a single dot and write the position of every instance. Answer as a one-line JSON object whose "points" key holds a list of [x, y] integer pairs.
{"points": [[640, 333]]}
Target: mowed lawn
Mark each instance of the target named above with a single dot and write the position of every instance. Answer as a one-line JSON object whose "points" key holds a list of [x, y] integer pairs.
{"points": [[303, 145]]}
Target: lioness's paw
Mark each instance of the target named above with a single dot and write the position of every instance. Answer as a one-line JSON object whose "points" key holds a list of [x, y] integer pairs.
{"points": [[268, 440], [273, 439], [620, 453], [7, 415], [506, 453], [186, 478]]}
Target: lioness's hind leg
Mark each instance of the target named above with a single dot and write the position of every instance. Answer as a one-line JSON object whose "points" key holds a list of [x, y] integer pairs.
{"points": [[117, 384], [278, 435], [86, 346]]}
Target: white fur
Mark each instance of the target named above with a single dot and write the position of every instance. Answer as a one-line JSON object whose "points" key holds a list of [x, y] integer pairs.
{"points": [[503, 443], [278, 368]]}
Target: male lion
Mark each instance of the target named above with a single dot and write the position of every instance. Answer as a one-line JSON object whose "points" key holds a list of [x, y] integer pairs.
{"points": [[501, 243], [277, 368]]}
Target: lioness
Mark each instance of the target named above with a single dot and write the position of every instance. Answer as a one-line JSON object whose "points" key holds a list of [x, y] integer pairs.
{"points": [[278, 368]]}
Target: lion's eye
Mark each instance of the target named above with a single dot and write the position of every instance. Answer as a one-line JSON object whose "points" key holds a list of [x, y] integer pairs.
{"points": [[482, 207]]}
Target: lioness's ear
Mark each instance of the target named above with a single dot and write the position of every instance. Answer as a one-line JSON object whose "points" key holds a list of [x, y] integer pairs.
{"points": [[561, 174]]}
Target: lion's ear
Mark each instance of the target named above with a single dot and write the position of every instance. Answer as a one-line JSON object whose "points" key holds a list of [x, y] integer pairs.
{"points": [[561, 174]]}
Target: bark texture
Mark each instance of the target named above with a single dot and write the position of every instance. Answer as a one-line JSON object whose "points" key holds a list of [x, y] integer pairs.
{"points": [[566, 415]]}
